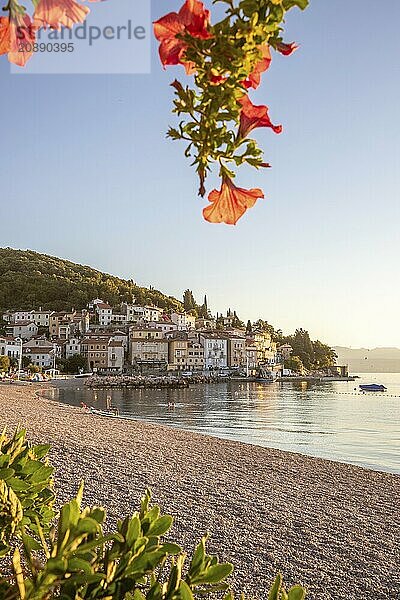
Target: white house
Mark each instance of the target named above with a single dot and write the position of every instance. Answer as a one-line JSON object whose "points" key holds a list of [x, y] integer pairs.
{"points": [[22, 315], [116, 355], [104, 312], [72, 347], [150, 350], [41, 317], [8, 317], [164, 326], [195, 356], [41, 357], [9, 347], [119, 319], [121, 336], [152, 313], [134, 314], [22, 329], [183, 321], [215, 351], [141, 314], [93, 303]]}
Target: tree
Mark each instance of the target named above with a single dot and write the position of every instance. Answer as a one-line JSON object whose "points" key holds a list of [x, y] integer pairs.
{"points": [[13, 362], [203, 309], [264, 326], [4, 364], [33, 369], [29, 280], [219, 322], [303, 348], [294, 364], [75, 363], [324, 356], [236, 322], [25, 362], [189, 303]]}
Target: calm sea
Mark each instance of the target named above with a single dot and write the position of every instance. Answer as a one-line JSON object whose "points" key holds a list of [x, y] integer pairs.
{"points": [[329, 420]]}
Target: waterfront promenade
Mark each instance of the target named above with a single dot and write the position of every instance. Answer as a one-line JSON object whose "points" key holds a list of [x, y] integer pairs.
{"points": [[332, 527]]}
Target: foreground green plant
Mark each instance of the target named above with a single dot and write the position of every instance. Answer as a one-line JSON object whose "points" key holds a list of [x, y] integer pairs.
{"points": [[76, 560], [26, 489]]}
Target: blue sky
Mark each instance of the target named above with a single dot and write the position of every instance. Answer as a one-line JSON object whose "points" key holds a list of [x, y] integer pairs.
{"points": [[87, 174]]}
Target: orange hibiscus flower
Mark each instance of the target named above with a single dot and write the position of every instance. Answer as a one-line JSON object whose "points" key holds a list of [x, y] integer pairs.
{"points": [[57, 13], [286, 49], [192, 19], [17, 35], [230, 203], [254, 79], [252, 116], [5, 33]]}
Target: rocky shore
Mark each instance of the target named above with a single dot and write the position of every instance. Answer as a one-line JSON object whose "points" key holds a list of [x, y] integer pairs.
{"points": [[329, 526], [143, 382]]}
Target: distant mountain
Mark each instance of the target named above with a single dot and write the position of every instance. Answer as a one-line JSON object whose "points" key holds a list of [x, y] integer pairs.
{"points": [[364, 360], [30, 280]]}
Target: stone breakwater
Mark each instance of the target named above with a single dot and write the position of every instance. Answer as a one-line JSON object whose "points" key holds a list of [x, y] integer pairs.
{"points": [[332, 527], [139, 381]]}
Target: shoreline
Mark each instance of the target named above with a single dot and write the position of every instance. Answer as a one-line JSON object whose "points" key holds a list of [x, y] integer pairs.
{"points": [[137, 419], [329, 526]]}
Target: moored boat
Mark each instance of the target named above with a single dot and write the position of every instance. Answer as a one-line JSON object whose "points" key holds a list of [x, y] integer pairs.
{"points": [[372, 387]]}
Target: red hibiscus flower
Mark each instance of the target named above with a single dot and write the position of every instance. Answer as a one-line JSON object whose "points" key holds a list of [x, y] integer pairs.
{"points": [[254, 79], [192, 19], [17, 35], [57, 13], [252, 116], [286, 49], [4, 35], [230, 203]]}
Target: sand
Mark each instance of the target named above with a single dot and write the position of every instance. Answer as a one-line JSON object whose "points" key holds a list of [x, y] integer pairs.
{"points": [[330, 526]]}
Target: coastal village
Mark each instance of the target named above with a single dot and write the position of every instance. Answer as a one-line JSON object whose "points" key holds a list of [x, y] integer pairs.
{"points": [[133, 339]]}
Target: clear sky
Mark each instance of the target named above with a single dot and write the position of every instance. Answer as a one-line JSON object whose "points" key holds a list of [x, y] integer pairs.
{"points": [[88, 175]]}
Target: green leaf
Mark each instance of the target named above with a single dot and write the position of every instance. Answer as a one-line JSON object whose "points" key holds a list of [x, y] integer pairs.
{"points": [[41, 450], [276, 588], [296, 593], [185, 592], [288, 4], [198, 556], [30, 543], [18, 485], [133, 531], [6, 474], [57, 566], [42, 475], [171, 548], [160, 526], [215, 574], [78, 564]]}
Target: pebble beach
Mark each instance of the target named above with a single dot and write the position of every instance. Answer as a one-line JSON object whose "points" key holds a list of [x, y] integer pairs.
{"points": [[332, 527]]}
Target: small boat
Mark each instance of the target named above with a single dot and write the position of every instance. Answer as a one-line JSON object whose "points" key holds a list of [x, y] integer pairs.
{"points": [[372, 387]]}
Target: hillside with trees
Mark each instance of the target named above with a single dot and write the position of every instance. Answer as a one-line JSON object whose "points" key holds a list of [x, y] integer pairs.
{"points": [[32, 280]]}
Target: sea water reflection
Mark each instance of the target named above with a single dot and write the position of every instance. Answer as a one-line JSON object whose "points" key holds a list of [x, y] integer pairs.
{"points": [[329, 420]]}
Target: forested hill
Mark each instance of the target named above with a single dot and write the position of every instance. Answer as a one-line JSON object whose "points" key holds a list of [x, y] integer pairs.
{"points": [[30, 280]]}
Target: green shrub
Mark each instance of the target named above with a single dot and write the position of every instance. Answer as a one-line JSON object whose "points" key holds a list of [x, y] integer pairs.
{"points": [[26, 488], [75, 560]]}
